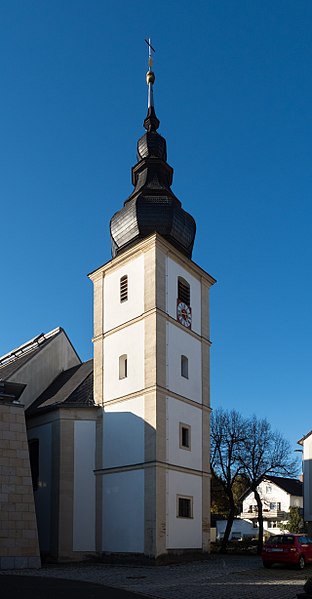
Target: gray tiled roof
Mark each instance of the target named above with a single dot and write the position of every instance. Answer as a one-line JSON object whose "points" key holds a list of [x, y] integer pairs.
{"points": [[71, 388], [11, 362]]}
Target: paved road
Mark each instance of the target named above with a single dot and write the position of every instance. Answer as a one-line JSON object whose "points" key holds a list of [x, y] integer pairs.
{"points": [[219, 577]]}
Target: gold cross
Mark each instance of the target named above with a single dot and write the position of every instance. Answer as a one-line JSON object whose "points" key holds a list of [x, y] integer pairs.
{"points": [[150, 48]]}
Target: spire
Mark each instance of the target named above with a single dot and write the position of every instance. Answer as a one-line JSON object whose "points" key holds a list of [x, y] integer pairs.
{"points": [[152, 206], [151, 123]]}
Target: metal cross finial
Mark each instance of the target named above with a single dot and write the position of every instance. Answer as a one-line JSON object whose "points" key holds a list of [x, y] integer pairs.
{"points": [[150, 48]]}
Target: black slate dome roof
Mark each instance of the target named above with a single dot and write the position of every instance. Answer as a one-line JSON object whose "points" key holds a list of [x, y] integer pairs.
{"points": [[152, 207]]}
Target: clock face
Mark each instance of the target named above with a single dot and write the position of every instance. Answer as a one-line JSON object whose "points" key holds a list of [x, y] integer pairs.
{"points": [[184, 314]]}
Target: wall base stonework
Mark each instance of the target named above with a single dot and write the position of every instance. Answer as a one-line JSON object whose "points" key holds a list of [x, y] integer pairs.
{"points": [[19, 547]]}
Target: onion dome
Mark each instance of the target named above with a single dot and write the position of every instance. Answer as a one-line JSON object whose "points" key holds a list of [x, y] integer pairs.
{"points": [[152, 207]]}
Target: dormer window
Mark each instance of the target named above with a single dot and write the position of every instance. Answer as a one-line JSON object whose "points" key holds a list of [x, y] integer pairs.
{"points": [[184, 291], [124, 288]]}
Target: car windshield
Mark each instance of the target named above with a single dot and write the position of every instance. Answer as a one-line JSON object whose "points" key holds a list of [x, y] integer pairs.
{"points": [[281, 539]]}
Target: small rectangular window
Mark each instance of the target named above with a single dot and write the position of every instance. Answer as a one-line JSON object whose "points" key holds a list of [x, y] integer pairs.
{"points": [[124, 288], [123, 366], [275, 506], [184, 367], [183, 291], [185, 507], [185, 436]]}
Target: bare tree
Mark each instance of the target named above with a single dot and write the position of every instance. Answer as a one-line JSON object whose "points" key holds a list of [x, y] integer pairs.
{"points": [[227, 437], [264, 452]]}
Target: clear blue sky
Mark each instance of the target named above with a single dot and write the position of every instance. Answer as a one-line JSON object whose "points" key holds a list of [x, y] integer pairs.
{"points": [[233, 93]]}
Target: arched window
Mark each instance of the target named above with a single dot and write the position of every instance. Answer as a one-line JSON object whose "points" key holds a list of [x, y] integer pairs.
{"points": [[123, 366], [184, 291], [184, 367], [124, 288]]}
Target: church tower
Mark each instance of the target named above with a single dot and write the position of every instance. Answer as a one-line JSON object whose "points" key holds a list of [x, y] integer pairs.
{"points": [[151, 368]]}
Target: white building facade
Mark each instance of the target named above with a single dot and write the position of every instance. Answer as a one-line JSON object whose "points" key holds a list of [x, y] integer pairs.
{"points": [[151, 376]]}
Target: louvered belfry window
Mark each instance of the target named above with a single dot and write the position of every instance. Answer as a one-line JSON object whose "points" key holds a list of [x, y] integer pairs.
{"points": [[183, 291], [124, 288]]}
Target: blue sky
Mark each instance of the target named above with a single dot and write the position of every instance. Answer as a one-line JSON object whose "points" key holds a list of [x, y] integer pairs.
{"points": [[233, 93]]}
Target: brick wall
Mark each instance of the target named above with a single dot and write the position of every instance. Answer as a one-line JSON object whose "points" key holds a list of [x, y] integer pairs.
{"points": [[19, 546]]}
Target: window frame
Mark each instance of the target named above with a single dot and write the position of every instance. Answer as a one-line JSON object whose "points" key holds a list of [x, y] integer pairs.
{"points": [[186, 427], [184, 366]]}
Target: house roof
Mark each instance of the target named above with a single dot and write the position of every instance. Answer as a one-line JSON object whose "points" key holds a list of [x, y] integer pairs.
{"points": [[293, 486], [71, 388], [15, 359], [300, 442]]}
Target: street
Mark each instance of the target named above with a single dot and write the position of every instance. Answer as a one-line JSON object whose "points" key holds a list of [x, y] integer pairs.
{"points": [[219, 577]]}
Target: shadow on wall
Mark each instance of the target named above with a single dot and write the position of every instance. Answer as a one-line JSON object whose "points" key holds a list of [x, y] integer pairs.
{"points": [[128, 442], [127, 439]]}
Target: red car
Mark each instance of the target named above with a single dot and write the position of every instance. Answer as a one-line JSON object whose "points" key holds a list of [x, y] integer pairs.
{"points": [[287, 549]]}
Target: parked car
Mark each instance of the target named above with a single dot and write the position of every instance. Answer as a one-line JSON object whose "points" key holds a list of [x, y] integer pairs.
{"points": [[287, 549]]}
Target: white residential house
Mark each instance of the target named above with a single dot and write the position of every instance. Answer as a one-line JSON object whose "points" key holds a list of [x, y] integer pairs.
{"points": [[278, 494]]}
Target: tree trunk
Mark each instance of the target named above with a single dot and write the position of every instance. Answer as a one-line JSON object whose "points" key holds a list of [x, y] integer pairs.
{"points": [[229, 523], [260, 521]]}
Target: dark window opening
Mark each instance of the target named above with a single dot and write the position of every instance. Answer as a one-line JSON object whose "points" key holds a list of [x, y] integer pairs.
{"points": [[185, 436], [185, 507], [33, 446]]}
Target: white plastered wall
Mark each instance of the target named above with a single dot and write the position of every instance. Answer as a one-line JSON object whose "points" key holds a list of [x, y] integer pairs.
{"points": [[129, 341], [183, 533], [123, 434], [180, 342], [175, 270], [123, 513], [116, 312], [84, 486], [180, 412]]}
